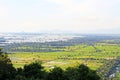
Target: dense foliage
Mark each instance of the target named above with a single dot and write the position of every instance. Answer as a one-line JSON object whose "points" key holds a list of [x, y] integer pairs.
{"points": [[35, 71], [7, 71]]}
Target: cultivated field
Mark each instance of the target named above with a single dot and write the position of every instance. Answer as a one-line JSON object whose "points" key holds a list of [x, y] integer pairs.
{"points": [[92, 55]]}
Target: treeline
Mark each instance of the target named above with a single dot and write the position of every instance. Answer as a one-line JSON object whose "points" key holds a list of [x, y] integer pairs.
{"points": [[58, 45], [110, 68], [35, 71]]}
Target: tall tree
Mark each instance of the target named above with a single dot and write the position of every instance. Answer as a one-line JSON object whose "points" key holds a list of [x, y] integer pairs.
{"points": [[56, 74], [35, 70], [6, 68]]}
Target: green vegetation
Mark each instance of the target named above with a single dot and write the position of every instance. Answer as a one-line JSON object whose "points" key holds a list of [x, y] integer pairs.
{"points": [[94, 56], [7, 71], [117, 76], [97, 57], [98, 53], [35, 71]]}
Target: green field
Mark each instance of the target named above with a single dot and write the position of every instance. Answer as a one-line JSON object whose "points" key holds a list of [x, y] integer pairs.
{"points": [[93, 56]]}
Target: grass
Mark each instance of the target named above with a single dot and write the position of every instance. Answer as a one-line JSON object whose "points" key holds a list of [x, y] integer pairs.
{"points": [[92, 56]]}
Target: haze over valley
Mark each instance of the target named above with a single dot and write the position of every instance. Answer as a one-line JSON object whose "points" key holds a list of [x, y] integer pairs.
{"points": [[59, 39]]}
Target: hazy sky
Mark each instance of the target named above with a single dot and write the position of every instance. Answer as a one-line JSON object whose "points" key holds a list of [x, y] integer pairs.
{"points": [[60, 15]]}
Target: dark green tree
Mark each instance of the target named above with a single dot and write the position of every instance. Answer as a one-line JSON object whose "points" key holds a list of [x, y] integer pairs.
{"points": [[87, 74], [7, 71], [81, 72], [34, 70], [56, 74], [71, 73]]}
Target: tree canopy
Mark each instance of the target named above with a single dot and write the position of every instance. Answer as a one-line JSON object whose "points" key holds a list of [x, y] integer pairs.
{"points": [[7, 70]]}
